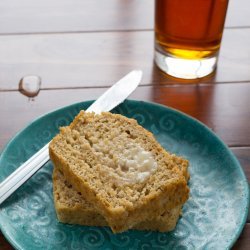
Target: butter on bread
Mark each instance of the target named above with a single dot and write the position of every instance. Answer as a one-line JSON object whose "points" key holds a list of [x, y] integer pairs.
{"points": [[91, 154]]}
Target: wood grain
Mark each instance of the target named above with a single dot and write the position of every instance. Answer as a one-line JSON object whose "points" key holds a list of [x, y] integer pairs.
{"points": [[4, 245], [28, 110], [238, 13], [243, 155], [80, 47], [223, 107], [99, 59], [243, 242], [28, 16]]}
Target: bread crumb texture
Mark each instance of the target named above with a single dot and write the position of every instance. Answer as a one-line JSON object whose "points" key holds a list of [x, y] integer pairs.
{"points": [[120, 168], [73, 208]]}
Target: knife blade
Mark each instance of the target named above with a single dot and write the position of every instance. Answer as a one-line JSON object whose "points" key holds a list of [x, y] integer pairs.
{"points": [[117, 93], [106, 102]]}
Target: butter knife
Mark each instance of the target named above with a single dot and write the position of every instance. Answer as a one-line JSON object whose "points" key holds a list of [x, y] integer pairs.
{"points": [[106, 102]]}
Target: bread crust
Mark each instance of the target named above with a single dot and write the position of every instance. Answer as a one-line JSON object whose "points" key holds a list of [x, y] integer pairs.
{"points": [[164, 190], [72, 208]]}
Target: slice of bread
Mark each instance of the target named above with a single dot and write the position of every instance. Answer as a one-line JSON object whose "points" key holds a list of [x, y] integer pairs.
{"points": [[119, 167], [72, 208]]}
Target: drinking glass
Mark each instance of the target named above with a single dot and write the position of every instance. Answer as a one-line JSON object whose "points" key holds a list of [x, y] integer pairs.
{"points": [[188, 36]]}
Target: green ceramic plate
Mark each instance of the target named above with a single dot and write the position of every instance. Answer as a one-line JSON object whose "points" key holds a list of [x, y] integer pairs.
{"points": [[212, 218]]}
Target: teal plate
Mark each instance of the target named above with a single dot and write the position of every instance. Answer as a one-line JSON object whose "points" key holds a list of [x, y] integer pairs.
{"points": [[213, 217]]}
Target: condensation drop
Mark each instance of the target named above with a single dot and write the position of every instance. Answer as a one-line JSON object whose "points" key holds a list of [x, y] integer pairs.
{"points": [[30, 85]]}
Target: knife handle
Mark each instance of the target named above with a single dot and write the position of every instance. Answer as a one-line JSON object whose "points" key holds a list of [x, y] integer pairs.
{"points": [[23, 173], [31, 166]]}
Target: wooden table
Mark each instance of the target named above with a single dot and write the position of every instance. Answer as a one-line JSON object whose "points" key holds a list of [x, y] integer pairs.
{"points": [[79, 48]]}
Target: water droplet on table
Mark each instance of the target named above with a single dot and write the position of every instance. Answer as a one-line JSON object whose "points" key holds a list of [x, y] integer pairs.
{"points": [[30, 85]]}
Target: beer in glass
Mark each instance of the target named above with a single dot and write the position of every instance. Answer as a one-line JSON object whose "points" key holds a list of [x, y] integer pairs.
{"points": [[188, 35]]}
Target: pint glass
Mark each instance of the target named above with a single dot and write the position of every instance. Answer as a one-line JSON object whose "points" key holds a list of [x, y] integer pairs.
{"points": [[188, 36]]}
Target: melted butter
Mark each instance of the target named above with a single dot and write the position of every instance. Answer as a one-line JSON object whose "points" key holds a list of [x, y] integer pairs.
{"points": [[135, 164]]}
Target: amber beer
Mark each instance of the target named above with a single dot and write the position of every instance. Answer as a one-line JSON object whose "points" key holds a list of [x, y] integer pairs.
{"points": [[188, 35]]}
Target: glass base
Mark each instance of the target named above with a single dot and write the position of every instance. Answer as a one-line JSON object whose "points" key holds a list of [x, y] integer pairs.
{"points": [[185, 68]]}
